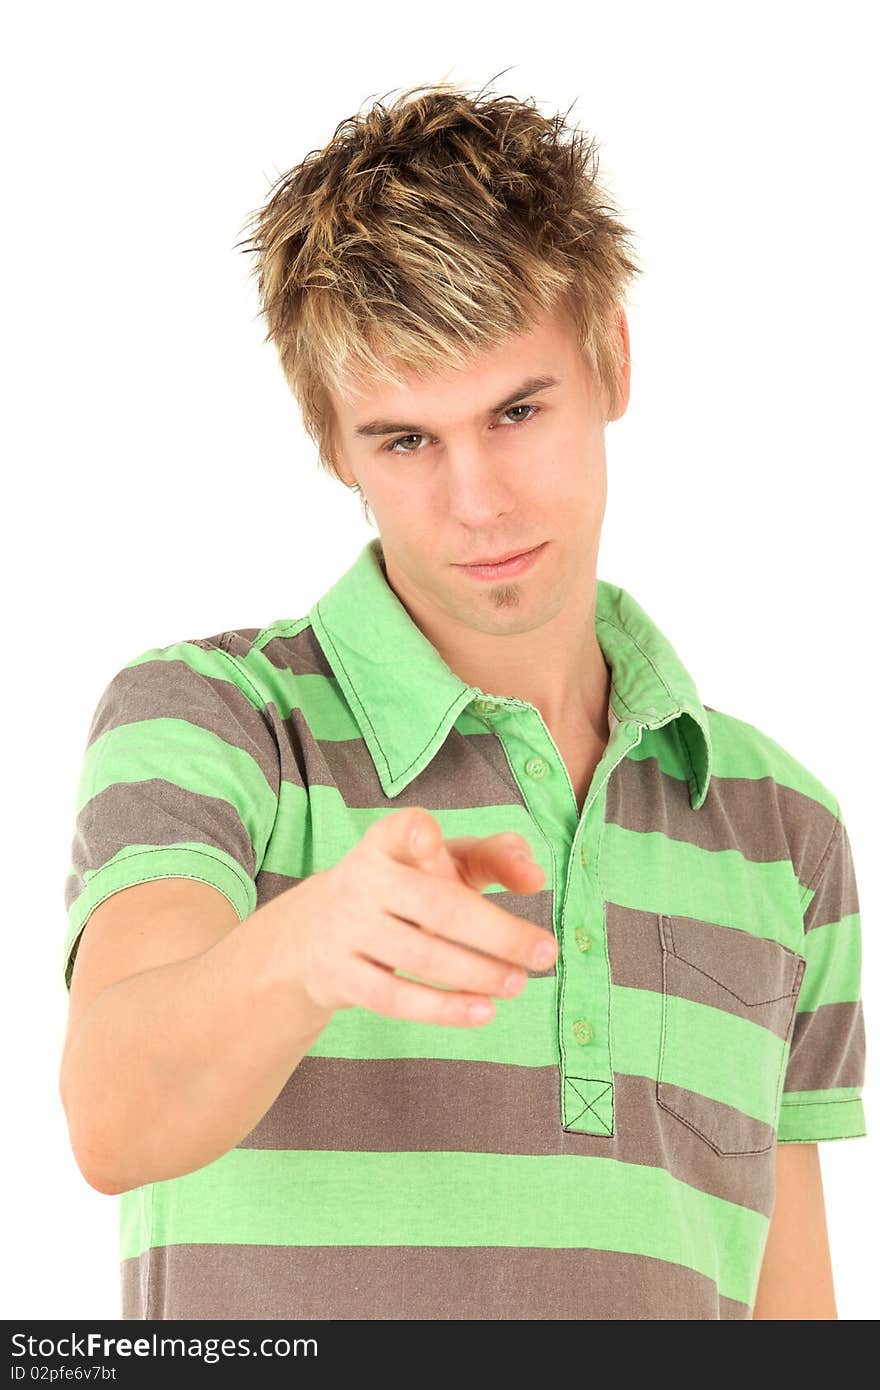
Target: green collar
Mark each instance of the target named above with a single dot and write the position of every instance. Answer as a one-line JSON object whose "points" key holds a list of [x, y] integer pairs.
{"points": [[406, 699]]}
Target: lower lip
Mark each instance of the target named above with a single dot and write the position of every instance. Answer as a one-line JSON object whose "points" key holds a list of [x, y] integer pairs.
{"points": [[518, 564]]}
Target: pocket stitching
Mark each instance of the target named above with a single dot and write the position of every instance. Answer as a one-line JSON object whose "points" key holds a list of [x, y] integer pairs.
{"points": [[666, 951], [749, 1003]]}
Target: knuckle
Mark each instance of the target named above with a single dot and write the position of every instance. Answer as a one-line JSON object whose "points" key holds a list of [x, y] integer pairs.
{"points": [[410, 818], [457, 1010], [372, 992], [422, 953]]}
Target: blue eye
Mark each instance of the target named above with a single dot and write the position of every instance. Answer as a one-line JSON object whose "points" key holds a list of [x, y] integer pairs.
{"points": [[392, 448]]}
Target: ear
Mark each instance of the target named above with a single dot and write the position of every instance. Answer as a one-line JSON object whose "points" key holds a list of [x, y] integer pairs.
{"points": [[333, 454], [621, 327]]}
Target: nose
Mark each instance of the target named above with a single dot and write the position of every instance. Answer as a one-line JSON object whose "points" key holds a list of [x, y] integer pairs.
{"points": [[479, 487]]}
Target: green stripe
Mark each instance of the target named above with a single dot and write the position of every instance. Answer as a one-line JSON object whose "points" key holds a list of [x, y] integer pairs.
{"points": [[834, 962], [190, 757], [728, 1058], [212, 662], [140, 863], [446, 1199], [723, 1056], [740, 749], [297, 848], [824, 1117], [826, 1095], [641, 870], [523, 1032], [321, 702]]}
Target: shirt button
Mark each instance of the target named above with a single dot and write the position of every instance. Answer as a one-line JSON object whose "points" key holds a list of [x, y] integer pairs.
{"points": [[583, 1030], [582, 938], [485, 706], [537, 768], [585, 854]]}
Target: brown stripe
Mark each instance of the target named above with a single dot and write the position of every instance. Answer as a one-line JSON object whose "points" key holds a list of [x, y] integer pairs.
{"points": [[827, 1048], [469, 771], [729, 1131], [634, 954], [238, 641], [837, 895], [719, 965], [112, 820], [302, 654], [174, 690], [425, 1104], [415, 1282], [729, 969], [761, 819]]}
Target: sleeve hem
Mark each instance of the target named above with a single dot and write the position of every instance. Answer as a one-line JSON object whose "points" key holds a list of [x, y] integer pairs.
{"points": [[208, 865], [809, 1123]]}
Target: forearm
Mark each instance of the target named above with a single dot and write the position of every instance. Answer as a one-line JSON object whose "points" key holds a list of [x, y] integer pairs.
{"points": [[172, 1067]]}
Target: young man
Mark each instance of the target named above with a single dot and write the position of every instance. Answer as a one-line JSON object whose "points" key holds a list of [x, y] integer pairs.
{"points": [[272, 1054]]}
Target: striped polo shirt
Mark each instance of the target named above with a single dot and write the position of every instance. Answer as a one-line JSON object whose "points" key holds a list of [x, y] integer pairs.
{"points": [[605, 1146]]}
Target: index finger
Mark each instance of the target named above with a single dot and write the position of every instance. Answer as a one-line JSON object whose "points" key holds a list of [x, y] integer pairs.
{"points": [[504, 858], [461, 913]]}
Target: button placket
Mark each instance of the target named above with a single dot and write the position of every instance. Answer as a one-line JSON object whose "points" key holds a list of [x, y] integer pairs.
{"points": [[584, 990], [585, 1021]]}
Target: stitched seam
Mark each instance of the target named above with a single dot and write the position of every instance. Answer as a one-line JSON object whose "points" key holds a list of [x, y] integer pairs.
{"points": [[590, 1105], [554, 897], [236, 662], [686, 755], [641, 652], [819, 872], [664, 1105], [793, 1104], [260, 709], [152, 849], [149, 1251], [600, 886], [284, 627], [750, 1004]]}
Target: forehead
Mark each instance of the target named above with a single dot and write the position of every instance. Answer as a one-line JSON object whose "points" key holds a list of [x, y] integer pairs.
{"points": [[546, 348]]}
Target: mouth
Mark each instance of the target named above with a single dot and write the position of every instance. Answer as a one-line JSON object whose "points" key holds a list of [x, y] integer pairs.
{"points": [[515, 563]]}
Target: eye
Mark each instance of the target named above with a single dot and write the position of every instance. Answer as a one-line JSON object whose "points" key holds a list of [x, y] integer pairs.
{"points": [[533, 408], [392, 448]]}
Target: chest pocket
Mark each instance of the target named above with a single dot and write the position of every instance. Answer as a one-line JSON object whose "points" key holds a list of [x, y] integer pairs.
{"points": [[728, 1005]]}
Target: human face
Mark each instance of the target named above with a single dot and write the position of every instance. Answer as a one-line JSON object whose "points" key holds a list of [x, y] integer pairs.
{"points": [[451, 479]]}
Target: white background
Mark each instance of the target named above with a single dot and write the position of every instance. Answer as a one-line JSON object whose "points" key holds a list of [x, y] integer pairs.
{"points": [[160, 485]]}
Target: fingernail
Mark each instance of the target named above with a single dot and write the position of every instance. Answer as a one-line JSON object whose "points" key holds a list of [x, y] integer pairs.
{"points": [[544, 954], [480, 1012]]}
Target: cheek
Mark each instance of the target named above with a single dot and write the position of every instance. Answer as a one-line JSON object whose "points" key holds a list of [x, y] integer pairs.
{"points": [[572, 477], [405, 517]]}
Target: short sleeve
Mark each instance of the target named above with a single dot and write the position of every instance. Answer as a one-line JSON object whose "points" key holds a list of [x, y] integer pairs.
{"points": [[825, 1072], [180, 778]]}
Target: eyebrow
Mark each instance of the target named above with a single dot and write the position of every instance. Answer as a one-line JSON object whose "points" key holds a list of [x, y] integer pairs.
{"points": [[530, 387]]}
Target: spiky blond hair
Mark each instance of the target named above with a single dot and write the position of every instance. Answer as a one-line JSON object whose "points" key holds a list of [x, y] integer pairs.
{"points": [[427, 232]]}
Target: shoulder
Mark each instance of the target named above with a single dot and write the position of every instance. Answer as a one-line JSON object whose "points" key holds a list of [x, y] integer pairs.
{"points": [[750, 766], [744, 749], [258, 661]]}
